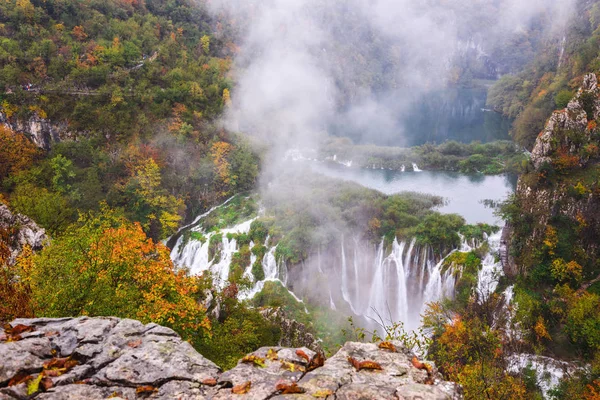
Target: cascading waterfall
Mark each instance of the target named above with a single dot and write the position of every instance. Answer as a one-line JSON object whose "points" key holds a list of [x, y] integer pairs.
{"points": [[390, 282]]}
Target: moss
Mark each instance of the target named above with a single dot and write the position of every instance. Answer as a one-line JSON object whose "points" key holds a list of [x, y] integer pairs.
{"points": [[239, 209], [257, 271], [215, 245]]}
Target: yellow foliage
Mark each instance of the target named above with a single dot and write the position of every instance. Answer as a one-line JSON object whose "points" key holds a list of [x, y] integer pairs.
{"points": [[226, 97], [9, 109], [219, 153], [551, 239], [540, 330]]}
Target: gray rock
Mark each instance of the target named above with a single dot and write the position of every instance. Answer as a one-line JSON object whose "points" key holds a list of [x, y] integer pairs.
{"points": [[25, 232], [118, 357]]}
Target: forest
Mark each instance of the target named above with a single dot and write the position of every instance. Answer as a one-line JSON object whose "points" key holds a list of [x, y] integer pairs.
{"points": [[137, 90]]}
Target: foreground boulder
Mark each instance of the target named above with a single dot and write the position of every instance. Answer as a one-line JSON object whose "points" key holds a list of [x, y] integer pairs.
{"points": [[98, 358]]}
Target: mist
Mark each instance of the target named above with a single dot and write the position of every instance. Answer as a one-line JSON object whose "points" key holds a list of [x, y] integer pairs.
{"points": [[308, 68]]}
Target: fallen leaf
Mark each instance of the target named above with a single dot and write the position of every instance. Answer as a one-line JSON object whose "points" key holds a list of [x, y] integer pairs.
{"points": [[354, 362], [290, 366], [46, 383], [34, 385], [367, 364], [210, 382], [302, 354], [371, 365], [317, 361], [18, 329], [134, 343], [291, 388], [254, 359], [388, 346], [19, 377], [272, 355], [323, 393], [145, 389], [52, 373], [242, 389], [13, 338], [51, 333], [418, 364]]}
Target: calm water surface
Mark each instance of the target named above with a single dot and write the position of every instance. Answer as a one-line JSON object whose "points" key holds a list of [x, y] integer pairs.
{"points": [[464, 193]]}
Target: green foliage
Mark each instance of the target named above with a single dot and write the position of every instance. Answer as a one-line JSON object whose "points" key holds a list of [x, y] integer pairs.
{"points": [[562, 98], [240, 331], [215, 245], [50, 210], [440, 231], [487, 158]]}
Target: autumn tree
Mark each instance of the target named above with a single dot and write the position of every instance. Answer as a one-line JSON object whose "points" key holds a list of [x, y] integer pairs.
{"points": [[158, 212], [15, 294], [16, 152], [106, 265]]}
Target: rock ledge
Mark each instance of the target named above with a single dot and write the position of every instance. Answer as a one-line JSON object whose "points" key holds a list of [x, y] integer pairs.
{"points": [[99, 358]]}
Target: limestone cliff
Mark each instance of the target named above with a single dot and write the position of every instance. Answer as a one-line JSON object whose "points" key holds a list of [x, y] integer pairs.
{"points": [[98, 358], [560, 195], [41, 131], [21, 231]]}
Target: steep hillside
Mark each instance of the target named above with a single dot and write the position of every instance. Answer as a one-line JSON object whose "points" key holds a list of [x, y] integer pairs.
{"points": [[554, 227], [553, 77]]}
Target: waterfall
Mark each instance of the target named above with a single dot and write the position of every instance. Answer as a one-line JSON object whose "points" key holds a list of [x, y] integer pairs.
{"points": [[345, 294], [390, 282], [491, 268]]}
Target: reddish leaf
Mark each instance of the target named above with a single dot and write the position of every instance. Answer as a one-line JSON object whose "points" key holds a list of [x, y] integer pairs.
{"points": [[210, 382], [242, 389], [388, 346], [371, 365], [18, 329], [46, 383], [145, 389], [289, 388], [317, 361], [134, 343], [20, 377], [302, 354]]}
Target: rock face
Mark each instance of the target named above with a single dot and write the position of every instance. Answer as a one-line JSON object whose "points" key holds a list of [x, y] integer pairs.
{"points": [[22, 231], [567, 130], [41, 131], [562, 190], [97, 358]]}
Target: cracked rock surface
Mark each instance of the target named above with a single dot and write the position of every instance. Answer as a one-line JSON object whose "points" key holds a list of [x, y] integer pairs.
{"points": [[122, 358]]}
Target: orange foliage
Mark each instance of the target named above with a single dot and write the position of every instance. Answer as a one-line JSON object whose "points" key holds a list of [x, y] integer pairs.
{"points": [[78, 33], [15, 295], [592, 391], [16, 152], [565, 161], [151, 272]]}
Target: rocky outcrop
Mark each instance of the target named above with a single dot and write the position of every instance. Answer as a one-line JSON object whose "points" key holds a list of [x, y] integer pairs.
{"points": [[22, 231], [568, 130], [562, 189], [97, 358], [41, 131]]}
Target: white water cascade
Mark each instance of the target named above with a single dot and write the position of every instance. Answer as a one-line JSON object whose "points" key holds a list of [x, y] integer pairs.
{"points": [[385, 283]]}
